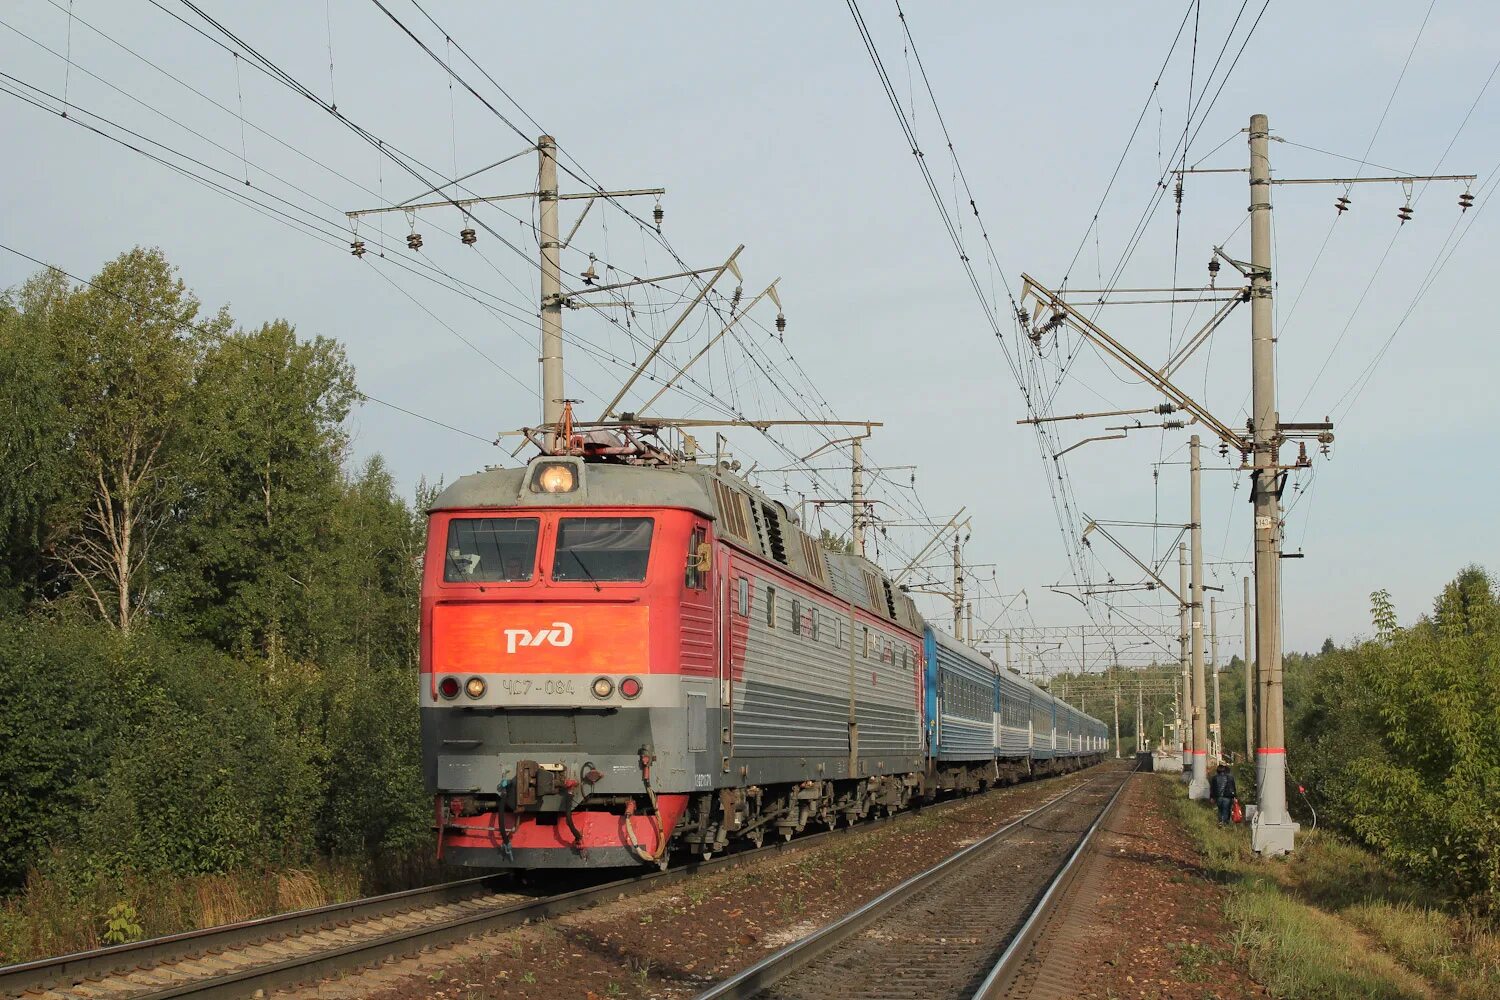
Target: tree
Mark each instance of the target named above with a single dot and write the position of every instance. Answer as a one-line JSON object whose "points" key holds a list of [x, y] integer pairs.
{"points": [[125, 348], [261, 478], [33, 437]]}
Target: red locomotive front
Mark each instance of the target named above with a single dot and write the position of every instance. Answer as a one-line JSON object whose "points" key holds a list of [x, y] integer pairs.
{"points": [[559, 620]]}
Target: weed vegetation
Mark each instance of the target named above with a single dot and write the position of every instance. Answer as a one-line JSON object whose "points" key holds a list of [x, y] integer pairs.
{"points": [[1332, 921]]}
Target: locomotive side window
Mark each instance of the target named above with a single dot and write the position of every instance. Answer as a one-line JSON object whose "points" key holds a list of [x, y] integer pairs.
{"points": [[771, 606], [594, 549], [490, 549], [695, 578], [744, 597], [796, 617]]}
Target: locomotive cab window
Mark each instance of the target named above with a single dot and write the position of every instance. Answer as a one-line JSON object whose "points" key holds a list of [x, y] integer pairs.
{"points": [[490, 549], [597, 549], [696, 577]]}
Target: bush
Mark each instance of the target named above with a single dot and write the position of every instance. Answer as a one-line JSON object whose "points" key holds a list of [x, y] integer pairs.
{"points": [[1400, 737]]}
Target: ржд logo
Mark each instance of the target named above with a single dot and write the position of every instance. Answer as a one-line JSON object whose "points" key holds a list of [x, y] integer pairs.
{"points": [[560, 634]]}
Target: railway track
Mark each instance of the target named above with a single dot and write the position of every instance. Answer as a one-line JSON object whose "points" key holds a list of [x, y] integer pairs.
{"points": [[959, 929], [258, 956]]}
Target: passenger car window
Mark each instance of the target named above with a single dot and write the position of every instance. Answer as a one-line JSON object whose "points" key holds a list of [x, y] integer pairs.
{"points": [[490, 549], [596, 549]]}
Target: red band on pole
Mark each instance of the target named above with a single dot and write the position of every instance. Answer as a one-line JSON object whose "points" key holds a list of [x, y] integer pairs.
{"points": [[1271, 750]]}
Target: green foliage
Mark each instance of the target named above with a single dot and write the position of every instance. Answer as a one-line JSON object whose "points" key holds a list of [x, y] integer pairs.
{"points": [[208, 620], [121, 924], [1400, 738]]}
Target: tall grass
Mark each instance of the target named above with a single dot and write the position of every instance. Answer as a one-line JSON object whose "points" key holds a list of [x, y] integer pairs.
{"points": [[55, 915], [1331, 921]]}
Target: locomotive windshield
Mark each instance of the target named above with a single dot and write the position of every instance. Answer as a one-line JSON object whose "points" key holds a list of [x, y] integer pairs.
{"points": [[490, 549], [594, 549]]}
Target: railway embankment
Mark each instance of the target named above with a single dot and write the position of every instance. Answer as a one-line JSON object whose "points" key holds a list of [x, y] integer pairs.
{"points": [[1333, 920], [676, 941]]}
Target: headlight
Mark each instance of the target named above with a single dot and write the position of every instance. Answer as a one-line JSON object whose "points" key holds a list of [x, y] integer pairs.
{"points": [[448, 687], [603, 687], [554, 477], [475, 687]]}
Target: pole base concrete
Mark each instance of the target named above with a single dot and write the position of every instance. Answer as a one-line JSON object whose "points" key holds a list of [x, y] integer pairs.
{"points": [[1272, 840], [1198, 789]]}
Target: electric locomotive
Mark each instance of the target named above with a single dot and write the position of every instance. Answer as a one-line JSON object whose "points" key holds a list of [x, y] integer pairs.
{"points": [[623, 653]]}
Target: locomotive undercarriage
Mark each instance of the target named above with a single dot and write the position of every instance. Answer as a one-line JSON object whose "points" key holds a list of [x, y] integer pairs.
{"points": [[715, 820]]}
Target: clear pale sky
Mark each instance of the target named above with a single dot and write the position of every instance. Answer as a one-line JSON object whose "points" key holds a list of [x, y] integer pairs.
{"points": [[767, 125]]}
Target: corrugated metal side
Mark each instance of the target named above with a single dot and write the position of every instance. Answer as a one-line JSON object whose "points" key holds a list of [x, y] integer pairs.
{"points": [[696, 612], [1041, 724], [792, 698], [793, 695], [966, 732], [1015, 710], [888, 686]]}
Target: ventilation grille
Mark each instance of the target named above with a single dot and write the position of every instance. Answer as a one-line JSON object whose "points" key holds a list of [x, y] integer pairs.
{"points": [[773, 533]]}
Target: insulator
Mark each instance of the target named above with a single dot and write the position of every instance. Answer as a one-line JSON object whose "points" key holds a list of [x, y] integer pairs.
{"points": [[1466, 201], [734, 300], [1342, 204], [1165, 408], [1213, 268], [657, 215], [1404, 213], [1223, 449], [414, 241], [780, 323], [357, 248], [590, 276], [468, 236]]}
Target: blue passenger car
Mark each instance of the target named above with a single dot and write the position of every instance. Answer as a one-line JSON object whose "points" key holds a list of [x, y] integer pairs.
{"points": [[960, 709]]}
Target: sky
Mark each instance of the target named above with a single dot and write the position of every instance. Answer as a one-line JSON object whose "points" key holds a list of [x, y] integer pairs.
{"points": [[768, 126]]}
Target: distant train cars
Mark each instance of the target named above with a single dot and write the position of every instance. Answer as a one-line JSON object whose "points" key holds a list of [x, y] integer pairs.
{"points": [[625, 658]]}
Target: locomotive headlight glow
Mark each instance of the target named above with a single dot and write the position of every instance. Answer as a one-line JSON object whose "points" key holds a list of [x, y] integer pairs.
{"points": [[475, 687], [603, 687], [630, 687], [555, 477], [448, 687]]}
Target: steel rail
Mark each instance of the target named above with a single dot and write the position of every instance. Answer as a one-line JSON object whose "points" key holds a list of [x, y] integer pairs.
{"points": [[775, 967], [1008, 966], [124, 958], [65, 971]]}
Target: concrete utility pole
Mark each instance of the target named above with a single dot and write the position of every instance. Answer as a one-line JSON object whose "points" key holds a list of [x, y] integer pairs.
{"points": [[1117, 723], [857, 496], [1140, 715], [1184, 720], [1198, 786], [1249, 681], [551, 284], [1273, 831], [1216, 744]]}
